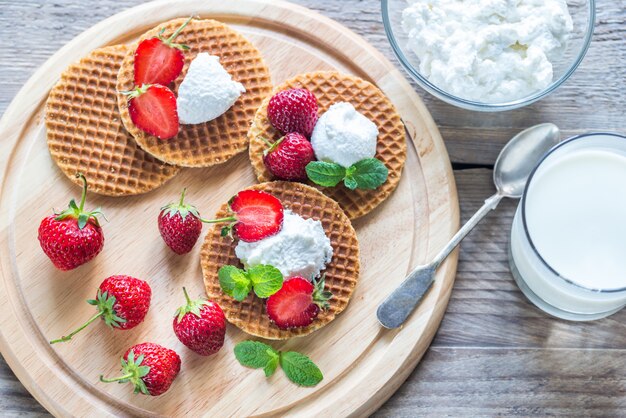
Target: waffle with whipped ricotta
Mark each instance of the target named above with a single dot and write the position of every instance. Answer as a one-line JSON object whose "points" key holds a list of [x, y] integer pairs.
{"points": [[213, 142], [341, 274], [85, 133], [329, 88]]}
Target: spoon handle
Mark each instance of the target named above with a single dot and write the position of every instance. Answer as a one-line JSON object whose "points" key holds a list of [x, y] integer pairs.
{"points": [[398, 306], [489, 205]]}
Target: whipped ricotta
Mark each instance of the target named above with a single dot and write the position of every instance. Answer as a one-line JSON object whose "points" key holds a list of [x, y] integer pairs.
{"points": [[488, 50], [207, 91], [344, 136], [300, 248]]}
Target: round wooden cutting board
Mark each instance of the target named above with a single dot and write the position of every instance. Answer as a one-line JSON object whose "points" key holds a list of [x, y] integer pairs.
{"points": [[363, 364]]}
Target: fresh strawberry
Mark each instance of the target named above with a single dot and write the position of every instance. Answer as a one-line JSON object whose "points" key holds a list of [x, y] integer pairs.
{"points": [[297, 303], [122, 302], [150, 367], [180, 225], [159, 60], [287, 158], [293, 110], [152, 109], [200, 325], [72, 237]]}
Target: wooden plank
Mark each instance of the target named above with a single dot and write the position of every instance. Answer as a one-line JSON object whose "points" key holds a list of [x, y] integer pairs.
{"points": [[469, 382]]}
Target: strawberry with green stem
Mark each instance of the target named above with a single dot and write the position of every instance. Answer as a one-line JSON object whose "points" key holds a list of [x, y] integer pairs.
{"points": [[122, 302], [73, 237], [150, 367]]}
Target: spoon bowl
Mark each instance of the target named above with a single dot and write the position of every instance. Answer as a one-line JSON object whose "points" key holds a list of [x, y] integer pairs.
{"points": [[520, 155]]}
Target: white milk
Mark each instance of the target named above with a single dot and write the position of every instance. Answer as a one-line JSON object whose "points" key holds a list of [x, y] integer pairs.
{"points": [[570, 259]]}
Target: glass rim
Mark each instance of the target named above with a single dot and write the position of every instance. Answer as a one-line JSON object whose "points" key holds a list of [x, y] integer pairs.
{"points": [[523, 209], [483, 106]]}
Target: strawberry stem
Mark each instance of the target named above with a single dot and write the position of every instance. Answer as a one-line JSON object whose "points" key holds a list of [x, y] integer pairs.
{"points": [[175, 34], [182, 197], [79, 329], [84, 193], [187, 296], [116, 379], [214, 221]]}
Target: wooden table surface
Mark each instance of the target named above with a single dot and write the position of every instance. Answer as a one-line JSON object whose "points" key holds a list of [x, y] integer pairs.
{"points": [[494, 354]]}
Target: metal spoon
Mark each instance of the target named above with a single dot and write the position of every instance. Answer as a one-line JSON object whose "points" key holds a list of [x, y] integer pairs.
{"points": [[513, 166]]}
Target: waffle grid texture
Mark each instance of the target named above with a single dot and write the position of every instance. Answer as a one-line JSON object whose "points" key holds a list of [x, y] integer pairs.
{"points": [[331, 87], [341, 274], [216, 141], [85, 133]]}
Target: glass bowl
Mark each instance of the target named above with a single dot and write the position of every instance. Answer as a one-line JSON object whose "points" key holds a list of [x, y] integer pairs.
{"points": [[583, 16]]}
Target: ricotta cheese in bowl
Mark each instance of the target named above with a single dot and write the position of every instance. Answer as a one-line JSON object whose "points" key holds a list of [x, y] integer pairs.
{"points": [[488, 51]]}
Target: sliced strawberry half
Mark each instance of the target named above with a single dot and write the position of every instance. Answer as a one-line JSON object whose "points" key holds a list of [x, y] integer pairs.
{"points": [[256, 215], [259, 215], [159, 60], [152, 109], [297, 303]]}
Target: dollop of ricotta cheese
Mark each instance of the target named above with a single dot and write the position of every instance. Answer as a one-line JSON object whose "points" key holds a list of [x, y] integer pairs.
{"points": [[344, 136], [300, 248], [207, 91], [488, 50]]}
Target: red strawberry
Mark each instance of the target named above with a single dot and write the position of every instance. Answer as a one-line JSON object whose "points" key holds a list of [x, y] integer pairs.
{"points": [[200, 325], [293, 110], [256, 215], [72, 237], [152, 109], [122, 302], [159, 60], [297, 303], [287, 158], [150, 367], [180, 225]]}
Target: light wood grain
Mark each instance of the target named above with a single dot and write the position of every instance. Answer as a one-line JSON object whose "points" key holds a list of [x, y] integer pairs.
{"points": [[486, 316], [362, 362]]}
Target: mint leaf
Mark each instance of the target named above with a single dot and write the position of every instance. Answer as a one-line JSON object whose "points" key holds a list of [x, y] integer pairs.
{"points": [[300, 369], [266, 280], [271, 365], [255, 354], [368, 174], [324, 173], [234, 282]]}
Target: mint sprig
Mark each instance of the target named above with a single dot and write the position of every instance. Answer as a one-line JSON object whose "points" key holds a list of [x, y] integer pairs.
{"points": [[265, 280], [366, 174], [299, 368]]}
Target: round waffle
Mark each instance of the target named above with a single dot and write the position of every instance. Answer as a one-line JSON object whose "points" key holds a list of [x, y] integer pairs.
{"points": [[85, 133], [213, 142], [341, 274], [329, 88]]}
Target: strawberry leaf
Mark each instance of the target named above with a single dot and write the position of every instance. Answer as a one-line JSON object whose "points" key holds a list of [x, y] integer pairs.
{"points": [[300, 369], [324, 173], [266, 280]]}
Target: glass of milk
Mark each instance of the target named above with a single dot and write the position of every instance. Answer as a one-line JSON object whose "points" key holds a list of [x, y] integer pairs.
{"points": [[568, 240]]}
